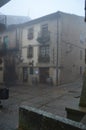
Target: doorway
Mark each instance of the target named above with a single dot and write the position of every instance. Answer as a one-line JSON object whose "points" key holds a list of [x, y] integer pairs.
{"points": [[25, 74], [43, 74]]}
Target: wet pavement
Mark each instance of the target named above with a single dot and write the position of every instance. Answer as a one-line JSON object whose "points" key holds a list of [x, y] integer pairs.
{"points": [[48, 98]]}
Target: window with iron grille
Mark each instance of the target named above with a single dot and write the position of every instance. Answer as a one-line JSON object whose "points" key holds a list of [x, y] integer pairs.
{"points": [[30, 52], [30, 33]]}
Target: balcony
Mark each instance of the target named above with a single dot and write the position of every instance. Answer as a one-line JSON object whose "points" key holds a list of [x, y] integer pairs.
{"points": [[43, 38], [44, 59]]}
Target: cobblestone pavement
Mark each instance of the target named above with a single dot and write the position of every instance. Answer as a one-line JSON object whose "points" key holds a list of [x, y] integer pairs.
{"points": [[48, 98]]}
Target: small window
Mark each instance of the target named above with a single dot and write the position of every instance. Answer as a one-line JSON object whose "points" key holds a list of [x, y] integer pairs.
{"points": [[30, 33], [30, 52]]}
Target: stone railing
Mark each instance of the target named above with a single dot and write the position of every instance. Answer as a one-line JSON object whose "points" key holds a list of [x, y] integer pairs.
{"points": [[34, 119]]}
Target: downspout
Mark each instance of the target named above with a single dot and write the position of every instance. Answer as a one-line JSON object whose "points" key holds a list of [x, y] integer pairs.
{"points": [[85, 10], [58, 48]]}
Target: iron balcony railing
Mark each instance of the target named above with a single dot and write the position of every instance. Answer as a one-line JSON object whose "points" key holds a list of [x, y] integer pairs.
{"points": [[43, 37], [43, 59]]}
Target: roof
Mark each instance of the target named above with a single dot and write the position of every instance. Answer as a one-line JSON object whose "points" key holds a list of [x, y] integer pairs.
{"points": [[3, 2], [31, 22], [52, 16], [43, 18], [11, 19]]}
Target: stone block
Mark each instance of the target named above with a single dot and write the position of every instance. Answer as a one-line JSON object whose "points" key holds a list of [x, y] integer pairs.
{"points": [[35, 119]]}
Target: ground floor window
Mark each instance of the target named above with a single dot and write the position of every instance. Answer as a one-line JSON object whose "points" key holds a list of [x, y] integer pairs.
{"points": [[31, 70]]}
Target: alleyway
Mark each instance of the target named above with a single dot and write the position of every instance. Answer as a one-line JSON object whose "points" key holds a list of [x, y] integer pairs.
{"points": [[48, 98]]}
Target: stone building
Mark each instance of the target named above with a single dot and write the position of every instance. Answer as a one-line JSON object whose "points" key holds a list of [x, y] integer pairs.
{"points": [[9, 43], [53, 49], [2, 28]]}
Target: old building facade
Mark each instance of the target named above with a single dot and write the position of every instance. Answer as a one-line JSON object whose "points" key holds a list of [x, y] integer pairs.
{"points": [[53, 49]]}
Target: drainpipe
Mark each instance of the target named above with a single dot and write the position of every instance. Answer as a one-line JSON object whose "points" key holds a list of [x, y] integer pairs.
{"points": [[85, 10], [58, 48]]}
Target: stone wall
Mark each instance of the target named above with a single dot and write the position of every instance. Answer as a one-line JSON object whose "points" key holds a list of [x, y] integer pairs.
{"points": [[34, 119]]}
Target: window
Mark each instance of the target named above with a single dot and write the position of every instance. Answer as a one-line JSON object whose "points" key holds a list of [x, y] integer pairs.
{"points": [[44, 34], [81, 54], [30, 52], [30, 33], [45, 29], [31, 70], [44, 54], [44, 51], [6, 41]]}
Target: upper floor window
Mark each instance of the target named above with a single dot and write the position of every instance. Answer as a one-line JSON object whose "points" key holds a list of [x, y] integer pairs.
{"points": [[6, 41], [30, 33], [44, 28], [30, 52], [44, 51]]}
